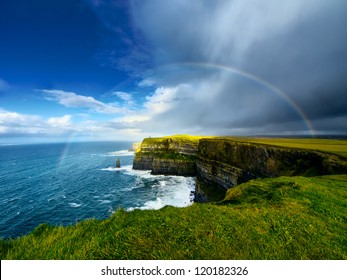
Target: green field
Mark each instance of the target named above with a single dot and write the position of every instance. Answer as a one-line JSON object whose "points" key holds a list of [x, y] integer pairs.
{"points": [[281, 218]]}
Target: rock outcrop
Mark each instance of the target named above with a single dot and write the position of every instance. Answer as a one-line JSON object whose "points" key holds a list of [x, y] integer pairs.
{"points": [[184, 146], [143, 161], [220, 164], [179, 167], [167, 156]]}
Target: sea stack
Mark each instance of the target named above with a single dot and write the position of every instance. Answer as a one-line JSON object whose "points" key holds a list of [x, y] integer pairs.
{"points": [[118, 163]]}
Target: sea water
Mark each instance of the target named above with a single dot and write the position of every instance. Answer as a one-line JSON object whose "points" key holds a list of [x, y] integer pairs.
{"points": [[62, 184]]}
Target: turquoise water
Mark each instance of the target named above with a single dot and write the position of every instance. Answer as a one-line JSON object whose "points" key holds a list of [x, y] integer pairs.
{"points": [[61, 184]]}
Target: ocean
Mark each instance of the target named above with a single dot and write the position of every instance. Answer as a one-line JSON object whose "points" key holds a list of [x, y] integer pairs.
{"points": [[62, 184]]}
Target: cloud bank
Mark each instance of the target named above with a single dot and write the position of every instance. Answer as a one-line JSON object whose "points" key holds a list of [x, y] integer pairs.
{"points": [[299, 47], [35, 128], [71, 99], [14, 124]]}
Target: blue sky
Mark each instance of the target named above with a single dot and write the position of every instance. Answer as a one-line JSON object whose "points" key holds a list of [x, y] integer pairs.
{"points": [[78, 70]]}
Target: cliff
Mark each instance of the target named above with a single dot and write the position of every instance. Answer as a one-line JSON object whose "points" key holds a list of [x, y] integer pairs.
{"points": [[167, 156], [184, 145], [222, 163], [225, 163]]}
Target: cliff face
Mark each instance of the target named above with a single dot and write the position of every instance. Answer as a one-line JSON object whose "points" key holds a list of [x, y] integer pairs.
{"points": [[167, 166], [220, 164], [143, 161], [182, 146], [167, 156], [220, 158]]}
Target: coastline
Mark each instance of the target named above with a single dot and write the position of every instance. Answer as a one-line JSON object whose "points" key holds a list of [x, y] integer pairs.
{"points": [[264, 218]]}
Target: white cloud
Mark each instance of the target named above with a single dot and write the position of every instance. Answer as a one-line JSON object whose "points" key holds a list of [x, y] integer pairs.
{"points": [[123, 95], [161, 100], [148, 82], [13, 118], [71, 99], [64, 121], [126, 97], [14, 125], [3, 129], [133, 118]]}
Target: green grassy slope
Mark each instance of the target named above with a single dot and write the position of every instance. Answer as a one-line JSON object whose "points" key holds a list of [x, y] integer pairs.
{"points": [[280, 218]]}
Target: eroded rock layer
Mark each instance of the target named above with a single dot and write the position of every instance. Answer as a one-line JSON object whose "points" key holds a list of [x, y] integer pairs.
{"points": [[220, 164]]}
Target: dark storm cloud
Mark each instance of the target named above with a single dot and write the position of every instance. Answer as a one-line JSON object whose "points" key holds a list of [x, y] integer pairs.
{"points": [[288, 59], [298, 46]]}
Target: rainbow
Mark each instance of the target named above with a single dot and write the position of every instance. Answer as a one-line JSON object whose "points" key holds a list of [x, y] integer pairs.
{"points": [[257, 79], [65, 151]]}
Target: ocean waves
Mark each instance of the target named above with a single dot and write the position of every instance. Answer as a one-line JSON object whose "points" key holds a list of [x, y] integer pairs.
{"points": [[161, 190], [44, 188], [121, 153]]}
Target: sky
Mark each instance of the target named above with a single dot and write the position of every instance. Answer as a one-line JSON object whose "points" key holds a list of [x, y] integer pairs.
{"points": [[92, 70]]}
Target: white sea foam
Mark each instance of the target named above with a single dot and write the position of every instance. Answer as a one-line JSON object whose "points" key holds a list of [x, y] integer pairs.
{"points": [[74, 205], [104, 201], [145, 174], [172, 190], [128, 170], [153, 204], [112, 168], [121, 153]]}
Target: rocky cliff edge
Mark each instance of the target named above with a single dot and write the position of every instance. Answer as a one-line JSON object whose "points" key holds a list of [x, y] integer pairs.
{"points": [[220, 164]]}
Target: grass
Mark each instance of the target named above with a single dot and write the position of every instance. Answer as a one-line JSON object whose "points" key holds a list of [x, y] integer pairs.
{"points": [[334, 146], [187, 137], [180, 139], [278, 218]]}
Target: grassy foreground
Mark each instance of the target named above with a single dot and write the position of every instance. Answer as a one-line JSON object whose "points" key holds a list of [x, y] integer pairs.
{"points": [[280, 218]]}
